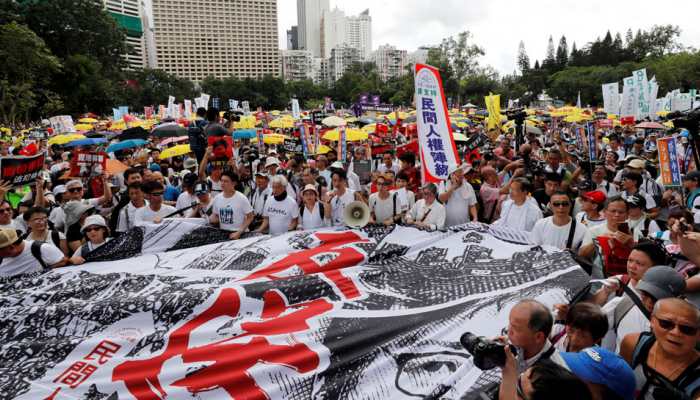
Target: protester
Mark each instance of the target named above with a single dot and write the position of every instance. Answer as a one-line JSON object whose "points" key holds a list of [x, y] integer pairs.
{"points": [[281, 212], [23, 257], [313, 213], [37, 219], [231, 210], [606, 374], [592, 205], [97, 234], [385, 207], [560, 230], [519, 212], [582, 325], [155, 211], [427, 213], [458, 197]]}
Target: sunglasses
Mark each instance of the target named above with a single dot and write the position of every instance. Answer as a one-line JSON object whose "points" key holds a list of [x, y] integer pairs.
{"points": [[670, 325], [92, 228], [561, 204], [75, 190], [5, 210], [156, 194]]}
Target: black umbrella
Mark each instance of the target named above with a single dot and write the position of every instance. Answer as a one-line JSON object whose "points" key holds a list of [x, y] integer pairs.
{"points": [[133, 133], [170, 129]]}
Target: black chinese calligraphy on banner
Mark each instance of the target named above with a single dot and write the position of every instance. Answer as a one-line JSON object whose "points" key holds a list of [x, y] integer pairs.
{"points": [[20, 171], [332, 314], [85, 164]]}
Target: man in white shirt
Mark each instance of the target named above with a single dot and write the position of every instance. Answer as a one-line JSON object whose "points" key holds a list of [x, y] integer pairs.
{"points": [[458, 197], [427, 213], [340, 197], [281, 212], [187, 197], [609, 189], [520, 211], [640, 224], [21, 257], [385, 207], [231, 210], [156, 210], [388, 163], [127, 215], [559, 230], [261, 193], [6, 221]]}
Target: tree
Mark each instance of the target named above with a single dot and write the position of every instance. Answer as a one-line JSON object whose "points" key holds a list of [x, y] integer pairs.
{"points": [[537, 64], [24, 72], [523, 60], [550, 58], [153, 86], [562, 57], [576, 57]]}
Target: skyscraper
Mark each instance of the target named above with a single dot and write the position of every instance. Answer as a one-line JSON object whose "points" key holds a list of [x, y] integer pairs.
{"points": [[390, 61], [293, 38], [128, 15], [309, 15], [358, 32], [198, 38]]}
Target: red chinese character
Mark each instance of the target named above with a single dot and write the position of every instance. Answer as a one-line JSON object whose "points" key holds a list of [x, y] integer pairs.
{"points": [[76, 374], [227, 363], [104, 351], [309, 261]]}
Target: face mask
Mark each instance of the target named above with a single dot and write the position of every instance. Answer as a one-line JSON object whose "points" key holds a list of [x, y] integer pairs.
{"points": [[281, 196]]}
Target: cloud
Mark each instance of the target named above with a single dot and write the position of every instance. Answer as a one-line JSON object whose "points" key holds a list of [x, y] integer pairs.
{"points": [[499, 25]]}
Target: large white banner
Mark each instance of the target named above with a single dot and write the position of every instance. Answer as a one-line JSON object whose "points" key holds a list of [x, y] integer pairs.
{"points": [[642, 85], [436, 144], [653, 92], [628, 106], [296, 112], [681, 101], [611, 97]]}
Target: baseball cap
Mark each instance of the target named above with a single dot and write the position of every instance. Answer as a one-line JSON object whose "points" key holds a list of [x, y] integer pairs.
{"points": [[692, 176], [636, 164], [74, 183], [595, 196], [262, 174], [270, 161], [201, 188], [60, 189], [662, 281], [636, 200], [7, 237], [309, 187], [190, 163], [603, 367]]}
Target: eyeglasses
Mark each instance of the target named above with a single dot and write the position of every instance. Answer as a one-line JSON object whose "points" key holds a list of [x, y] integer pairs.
{"points": [[668, 325], [38, 220], [5, 210], [156, 194], [561, 204], [92, 228], [75, 190]]}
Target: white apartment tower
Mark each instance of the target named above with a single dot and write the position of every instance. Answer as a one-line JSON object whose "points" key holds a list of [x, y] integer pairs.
{"points": [[338, 29], [390, 61], [221, 38], [296, 65], [309, 17], [359, 33]]}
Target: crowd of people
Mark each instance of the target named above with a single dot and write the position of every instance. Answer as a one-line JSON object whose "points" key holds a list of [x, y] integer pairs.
{"points": [[632, 335]]}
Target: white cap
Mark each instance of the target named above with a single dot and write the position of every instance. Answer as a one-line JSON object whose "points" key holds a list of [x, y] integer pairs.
{"points": [[60, 189], [271, 161], [94, 220]]}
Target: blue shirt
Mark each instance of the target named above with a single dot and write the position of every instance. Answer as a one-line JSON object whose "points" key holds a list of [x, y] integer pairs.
{"points": [[171, 193]]}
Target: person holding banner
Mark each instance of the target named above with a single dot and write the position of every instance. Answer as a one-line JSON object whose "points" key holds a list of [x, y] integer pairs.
{"points": [[22, 257], [458, 197], [231, 210], [520, 211], [156, 210], [385, 207], [427, 213]]}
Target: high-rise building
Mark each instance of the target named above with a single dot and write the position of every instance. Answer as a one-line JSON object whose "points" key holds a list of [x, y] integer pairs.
{"points": [[342, 57], [128, 14], [220, 38], [359, 33], [296, 65], [309, 16], [293, 38], [390, 61]]}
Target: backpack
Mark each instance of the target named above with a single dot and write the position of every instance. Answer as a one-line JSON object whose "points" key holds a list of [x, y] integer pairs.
{"points": [[55, 237], [195, 132], [35, 248], [320, 209], [685, 385]]}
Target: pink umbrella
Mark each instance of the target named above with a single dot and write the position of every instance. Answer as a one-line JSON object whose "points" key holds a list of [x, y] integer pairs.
{"points": [[174, 140], [650, 125]]}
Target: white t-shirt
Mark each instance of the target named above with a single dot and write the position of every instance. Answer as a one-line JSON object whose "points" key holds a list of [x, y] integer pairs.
{"points": [[632, 322], [280, 214], [406, 197], [382, 168], [259, 198], [582, 217], [14, 225], [58, 218], [457, 206], [433, 215], [26, 263], [338, 204], [231, 210], [313, 219], [215, 186], [185, 200], [127, 217], [145, 215], [521, 217], [637, 226], [384, 209], [546, 232]]}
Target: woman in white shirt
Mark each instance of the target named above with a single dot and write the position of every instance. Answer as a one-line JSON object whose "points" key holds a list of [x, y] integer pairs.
{"points": [[313, 214], [96, 232], [427, 213]]}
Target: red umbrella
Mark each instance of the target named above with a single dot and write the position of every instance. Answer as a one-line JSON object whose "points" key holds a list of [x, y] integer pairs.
{"points": [[650, 125]]}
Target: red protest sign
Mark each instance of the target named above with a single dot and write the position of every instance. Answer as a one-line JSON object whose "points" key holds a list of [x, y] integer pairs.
{"points": [[21, 170]]}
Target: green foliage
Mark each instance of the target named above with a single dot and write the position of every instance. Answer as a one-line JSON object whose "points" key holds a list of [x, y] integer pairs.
{"points": [[25, 71]]}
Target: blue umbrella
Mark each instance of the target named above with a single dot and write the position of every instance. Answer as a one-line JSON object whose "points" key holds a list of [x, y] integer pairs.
{"points": [[244, 133], [86, 142], [127, 144]]}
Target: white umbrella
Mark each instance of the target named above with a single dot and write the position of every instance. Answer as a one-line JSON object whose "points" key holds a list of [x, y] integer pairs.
{"points": [[333, 121]]}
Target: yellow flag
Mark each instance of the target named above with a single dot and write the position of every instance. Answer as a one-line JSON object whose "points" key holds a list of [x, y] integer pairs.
{"points": [[493, 106]]}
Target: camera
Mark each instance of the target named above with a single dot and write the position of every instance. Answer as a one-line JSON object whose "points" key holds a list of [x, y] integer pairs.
{"points": [[488, 354], [233, 115]]}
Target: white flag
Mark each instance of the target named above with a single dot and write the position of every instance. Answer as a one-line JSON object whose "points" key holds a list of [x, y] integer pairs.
{"points": [[611, 97]]}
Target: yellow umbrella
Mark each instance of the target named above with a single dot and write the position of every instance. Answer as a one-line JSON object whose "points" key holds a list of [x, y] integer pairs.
{"points": [[275, 112], [87, 120], [369, 128], [246, 122], [669, 124], [5, 130], [351, 135], [82, 127], [63, 139], [274, 138], [283, 123], [175, 151], [323, 149]]}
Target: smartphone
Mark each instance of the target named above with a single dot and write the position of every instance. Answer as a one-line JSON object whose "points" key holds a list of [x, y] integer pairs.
{"points": [[624, 228]]}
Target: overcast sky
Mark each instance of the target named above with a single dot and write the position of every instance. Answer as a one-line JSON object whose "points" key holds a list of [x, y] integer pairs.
{"points": [[498, 25]]}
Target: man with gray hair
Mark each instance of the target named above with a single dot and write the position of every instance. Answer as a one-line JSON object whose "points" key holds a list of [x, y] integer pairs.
{"points": [[427, 213], [281, 213]]}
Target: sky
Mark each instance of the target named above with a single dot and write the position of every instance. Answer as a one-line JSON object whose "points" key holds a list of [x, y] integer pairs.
{"points": [[498, 26]]}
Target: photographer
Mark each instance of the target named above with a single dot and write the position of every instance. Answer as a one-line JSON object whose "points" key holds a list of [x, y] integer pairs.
{"points": [[544, 380]]}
